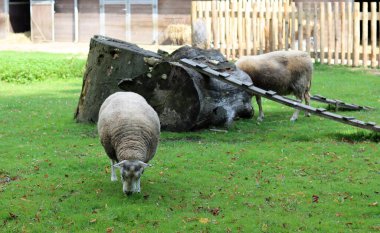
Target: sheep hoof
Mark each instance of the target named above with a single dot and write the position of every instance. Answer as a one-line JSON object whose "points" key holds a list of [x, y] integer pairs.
{"points": [[293, 119], [113, 179], [260, 119], [307, 114]]}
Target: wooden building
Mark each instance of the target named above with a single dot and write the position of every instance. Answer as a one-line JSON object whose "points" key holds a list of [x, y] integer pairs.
{"points": [[137, 21]]}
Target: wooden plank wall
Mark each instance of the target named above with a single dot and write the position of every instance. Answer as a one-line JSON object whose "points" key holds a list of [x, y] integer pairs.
{"points": [[88, 19], [64, 20], [172, 12], [141, 24], [41, 22], [115, 25], [4, 21], [333, 32]]}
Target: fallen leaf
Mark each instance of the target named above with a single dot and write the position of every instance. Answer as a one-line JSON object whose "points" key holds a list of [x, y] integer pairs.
{"points": [[373, 204], [215, 211], [46, 175], [93, 220], [146, 196], [204, 220], [338, 214], [109, 229], [315, 198], [12, 215]]}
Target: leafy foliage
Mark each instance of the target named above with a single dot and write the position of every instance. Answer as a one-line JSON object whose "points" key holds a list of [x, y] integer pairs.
{"points": [[29, 67]]}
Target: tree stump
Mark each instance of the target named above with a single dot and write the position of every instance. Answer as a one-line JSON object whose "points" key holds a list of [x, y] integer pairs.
{"points": [[183, 98], [108, 62]]}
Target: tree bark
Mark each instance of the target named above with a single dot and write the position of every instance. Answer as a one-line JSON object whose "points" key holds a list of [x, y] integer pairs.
{"points": [[109, 61]]}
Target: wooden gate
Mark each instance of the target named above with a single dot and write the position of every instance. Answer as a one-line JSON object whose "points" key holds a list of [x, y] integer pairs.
{"points": [[42, 20]]}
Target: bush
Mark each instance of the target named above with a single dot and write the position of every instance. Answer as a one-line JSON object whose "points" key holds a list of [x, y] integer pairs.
{"points": [[21, 67]]}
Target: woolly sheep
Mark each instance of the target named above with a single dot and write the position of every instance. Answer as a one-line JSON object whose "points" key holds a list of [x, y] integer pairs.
{"points": [[129, 131], [285, 72]]}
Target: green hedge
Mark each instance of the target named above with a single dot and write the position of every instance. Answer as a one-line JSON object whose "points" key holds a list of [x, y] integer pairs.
{"points": [[25, 67]]}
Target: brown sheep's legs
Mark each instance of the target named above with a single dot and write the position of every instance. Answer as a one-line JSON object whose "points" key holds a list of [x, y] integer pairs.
{"points": [[261, 113]]}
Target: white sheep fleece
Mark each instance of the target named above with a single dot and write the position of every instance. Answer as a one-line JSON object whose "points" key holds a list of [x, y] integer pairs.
{"points": [[128, 127]]}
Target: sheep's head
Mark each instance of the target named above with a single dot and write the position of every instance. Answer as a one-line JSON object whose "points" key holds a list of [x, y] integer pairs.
{"points": [[131, 171]]}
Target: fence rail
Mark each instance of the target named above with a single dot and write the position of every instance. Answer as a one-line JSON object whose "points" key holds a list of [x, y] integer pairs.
{"points": [[332, 32]]}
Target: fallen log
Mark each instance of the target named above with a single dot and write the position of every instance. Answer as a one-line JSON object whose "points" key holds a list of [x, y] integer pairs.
{"points": [[183, 98]]}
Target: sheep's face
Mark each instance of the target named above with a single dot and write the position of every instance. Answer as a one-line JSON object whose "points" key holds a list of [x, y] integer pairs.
{"points": [[131, 172]]}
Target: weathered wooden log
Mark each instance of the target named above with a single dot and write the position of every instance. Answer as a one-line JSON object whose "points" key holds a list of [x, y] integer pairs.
{"points": [[109, 61], [183, 98]]}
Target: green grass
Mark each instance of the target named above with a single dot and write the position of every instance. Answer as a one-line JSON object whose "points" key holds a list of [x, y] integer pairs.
{"points": [[254, 178], [28, 67]]}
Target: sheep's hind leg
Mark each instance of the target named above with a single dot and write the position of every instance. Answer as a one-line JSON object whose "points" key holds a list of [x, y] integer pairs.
{"points": [[261, 113], [113, 173], [307, 102]]}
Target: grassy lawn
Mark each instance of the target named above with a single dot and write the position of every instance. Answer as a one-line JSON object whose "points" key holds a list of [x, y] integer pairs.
{"points": [[55, 177]]}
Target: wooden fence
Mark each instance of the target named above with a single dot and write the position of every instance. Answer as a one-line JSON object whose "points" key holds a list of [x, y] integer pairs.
{"points": [[332, 32]]}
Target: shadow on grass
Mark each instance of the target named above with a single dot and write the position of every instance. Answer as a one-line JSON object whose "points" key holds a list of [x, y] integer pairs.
{"points": [[357, 137]]}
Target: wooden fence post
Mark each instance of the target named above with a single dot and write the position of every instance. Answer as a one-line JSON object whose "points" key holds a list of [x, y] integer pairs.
{"points": [[300, 26], [373, 34], [308, 12], [336, 23], [255, 25], [280, 25], [343, 33], [293, 27], [365, 34], [322, 37], [315, 33], [240, 27], [214, 23], [286, 13], [330, 36], [248, 23], [356, 34], [350, 42]]}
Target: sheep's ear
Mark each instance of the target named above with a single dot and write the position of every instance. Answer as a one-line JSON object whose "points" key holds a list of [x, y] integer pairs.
{"points": [[119, 164], [145, 164]]}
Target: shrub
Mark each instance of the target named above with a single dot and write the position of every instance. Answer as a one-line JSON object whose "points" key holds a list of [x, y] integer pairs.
{"points": [[21, 67]]}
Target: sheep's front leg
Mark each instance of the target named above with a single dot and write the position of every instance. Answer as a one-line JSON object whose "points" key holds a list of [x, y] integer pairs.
{"points": [[261, 113], [138, 185], [113, 173]]}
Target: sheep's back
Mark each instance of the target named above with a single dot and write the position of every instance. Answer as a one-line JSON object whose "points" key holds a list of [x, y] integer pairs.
{"points": [[129, 125], [280, 71]]}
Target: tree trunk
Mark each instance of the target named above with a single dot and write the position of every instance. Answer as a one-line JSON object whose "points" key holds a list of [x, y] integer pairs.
{"points": [[183, 98], [109, 61]]}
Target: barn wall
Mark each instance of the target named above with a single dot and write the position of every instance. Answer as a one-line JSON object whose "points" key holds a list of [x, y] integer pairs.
{"points": [[88, 19], [115, 25], [169, 12], [3, 21], [172, 12], [2, 2], [64, 20], [141, 24]]}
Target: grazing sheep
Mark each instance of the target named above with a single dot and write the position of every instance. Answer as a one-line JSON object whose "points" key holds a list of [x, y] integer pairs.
{"points": [[285, 72], [129, 130]]}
